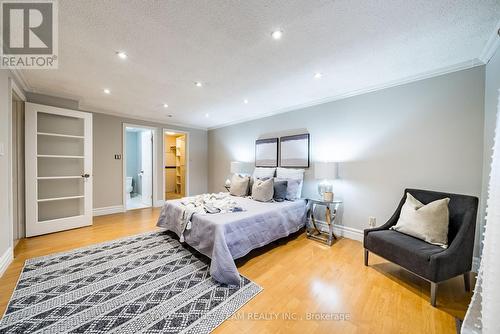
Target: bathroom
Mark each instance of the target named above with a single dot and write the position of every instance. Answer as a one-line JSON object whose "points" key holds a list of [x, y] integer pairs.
{"points": [[138, 167]]}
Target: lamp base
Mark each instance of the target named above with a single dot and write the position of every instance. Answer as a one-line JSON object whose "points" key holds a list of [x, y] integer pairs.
{"points": [[328, 196]]}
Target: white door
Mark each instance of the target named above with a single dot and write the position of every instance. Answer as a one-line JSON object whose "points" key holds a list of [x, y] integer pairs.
{"points": [[147, 167], [58, 150]]}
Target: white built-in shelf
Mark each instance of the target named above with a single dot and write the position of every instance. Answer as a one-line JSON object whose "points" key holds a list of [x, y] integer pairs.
{"points": [[58, 135], [58, 198], [59, 177], [60, 156]]}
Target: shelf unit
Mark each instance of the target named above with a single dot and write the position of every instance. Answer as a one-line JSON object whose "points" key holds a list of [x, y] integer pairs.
{"points": [[180, 160], [58, 198], [59, 135], [58, 156], [59, 177]]}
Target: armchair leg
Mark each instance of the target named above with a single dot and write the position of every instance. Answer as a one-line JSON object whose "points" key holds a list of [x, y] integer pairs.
{"points": [[467, 281], [366, 257], [434, 287]]}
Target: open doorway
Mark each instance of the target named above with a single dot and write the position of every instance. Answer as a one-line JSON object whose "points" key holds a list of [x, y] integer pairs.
{"points": [[138, 171], [175, 144]]}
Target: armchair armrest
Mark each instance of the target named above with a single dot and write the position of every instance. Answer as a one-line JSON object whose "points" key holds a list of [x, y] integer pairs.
{"points": [[391, 222], [457, 258]]}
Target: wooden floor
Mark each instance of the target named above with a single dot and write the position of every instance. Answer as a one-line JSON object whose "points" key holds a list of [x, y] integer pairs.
{"points": [[301, 279]]}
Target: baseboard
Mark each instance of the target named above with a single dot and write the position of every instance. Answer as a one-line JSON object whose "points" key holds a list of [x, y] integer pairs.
{"points": [[5, 260], [348, 232], [343, 231], [159, 203], [108, 210]]}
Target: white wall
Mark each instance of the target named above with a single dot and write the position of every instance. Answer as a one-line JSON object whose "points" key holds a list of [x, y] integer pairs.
{"points": [[427, 134]]}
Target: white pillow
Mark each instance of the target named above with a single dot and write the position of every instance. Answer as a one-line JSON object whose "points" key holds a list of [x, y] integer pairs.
{"points": [[263, 173], [290, 173], [293, 174], [239, 185], [263, 190], [426, 222]]}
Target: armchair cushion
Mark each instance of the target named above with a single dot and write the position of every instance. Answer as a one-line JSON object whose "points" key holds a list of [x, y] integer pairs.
{"points": [[404, 250]]}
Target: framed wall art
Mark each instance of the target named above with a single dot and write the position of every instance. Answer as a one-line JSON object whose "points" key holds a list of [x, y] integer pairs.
{"points": [[266, 152], [294, 151]]}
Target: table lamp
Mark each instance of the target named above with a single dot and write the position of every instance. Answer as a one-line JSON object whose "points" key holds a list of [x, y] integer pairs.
{"points": [[237, 167], [326, 172]]}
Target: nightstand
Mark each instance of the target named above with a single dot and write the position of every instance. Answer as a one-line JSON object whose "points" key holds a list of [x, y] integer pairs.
{"points": [[312, 230]]}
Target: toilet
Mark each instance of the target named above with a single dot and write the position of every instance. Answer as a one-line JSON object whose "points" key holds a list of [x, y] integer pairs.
{"points": [[128, 186]]}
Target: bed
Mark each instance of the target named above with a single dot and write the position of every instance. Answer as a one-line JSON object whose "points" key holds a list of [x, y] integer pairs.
{"points": [[224, 237]]}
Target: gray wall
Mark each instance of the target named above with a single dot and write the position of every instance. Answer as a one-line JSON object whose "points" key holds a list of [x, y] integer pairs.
{"points": [[492, 87], [427, 134], [108, 179]]}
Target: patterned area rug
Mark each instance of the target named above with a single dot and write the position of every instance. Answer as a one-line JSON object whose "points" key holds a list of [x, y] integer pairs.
{"points": [[145, 283]]}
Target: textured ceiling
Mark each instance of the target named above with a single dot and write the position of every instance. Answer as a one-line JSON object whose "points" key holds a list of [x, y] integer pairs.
{"points": [[227, 46]]}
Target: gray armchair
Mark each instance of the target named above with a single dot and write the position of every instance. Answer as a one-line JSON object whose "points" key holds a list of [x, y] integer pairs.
{"points": [[430, 262]]}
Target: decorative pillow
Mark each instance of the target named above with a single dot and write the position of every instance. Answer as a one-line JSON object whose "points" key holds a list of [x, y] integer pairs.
{"points": [[263, 190], [292, 188], [292, 173], [280, 188], [426, 222], [263, 173], [239, 185]]}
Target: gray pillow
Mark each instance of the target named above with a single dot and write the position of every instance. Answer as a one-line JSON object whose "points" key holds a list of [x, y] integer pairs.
{"points": [[239, 185], [263, 190], [280, 188], [292, 188], [428, 222]]}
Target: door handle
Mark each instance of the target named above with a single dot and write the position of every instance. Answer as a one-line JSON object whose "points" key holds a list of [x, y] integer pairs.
{"points": [[86, 176]]}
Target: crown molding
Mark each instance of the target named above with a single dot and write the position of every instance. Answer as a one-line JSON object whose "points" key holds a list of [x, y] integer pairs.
{"points": [[424, 75], [20, 79], [491, 46], [160, 121]]}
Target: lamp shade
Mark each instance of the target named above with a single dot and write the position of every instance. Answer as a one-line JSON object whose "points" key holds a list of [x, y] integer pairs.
{"points": [[326, 170], [237, 167]]}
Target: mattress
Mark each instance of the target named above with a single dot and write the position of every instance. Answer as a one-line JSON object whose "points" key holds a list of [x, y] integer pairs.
{"points": [[224, 237]]}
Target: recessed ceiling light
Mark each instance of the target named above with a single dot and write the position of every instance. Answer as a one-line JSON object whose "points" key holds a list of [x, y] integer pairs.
{"points": [[121, 54], [245, 101], [207, 115], [317, 75], [107, 91], [277, 34], [165, 105], [198, 84], [170, 133]]}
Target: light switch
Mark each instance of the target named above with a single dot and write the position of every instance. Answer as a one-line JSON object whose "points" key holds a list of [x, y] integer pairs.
{"points": [[2, 149]]}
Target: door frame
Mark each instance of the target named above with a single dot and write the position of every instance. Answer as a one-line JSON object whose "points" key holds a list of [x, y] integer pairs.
{"points": [[186, 134], [124, 162], [13, 88], [31, 192]]}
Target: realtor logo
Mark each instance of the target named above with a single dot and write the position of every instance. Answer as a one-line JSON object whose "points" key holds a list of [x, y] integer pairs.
{"points": [[29, 34]]}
